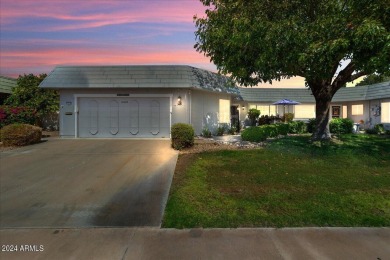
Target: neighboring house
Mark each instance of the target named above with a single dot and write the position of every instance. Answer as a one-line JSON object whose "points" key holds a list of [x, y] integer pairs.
{"points": [[370, 104], [6, 85], [139, 101]]}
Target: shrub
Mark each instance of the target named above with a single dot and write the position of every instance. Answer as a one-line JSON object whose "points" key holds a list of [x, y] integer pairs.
{"points": [[17, 115], [371, 131], [253, 134], [267, 120], [341, 126], [206, 133], [20, 134], [288, 117], [270, 130], [379, 128], [297, 127], [253, 114], [232, 130], [182, 136], [282, 128], [221, 129], [311, 125]]}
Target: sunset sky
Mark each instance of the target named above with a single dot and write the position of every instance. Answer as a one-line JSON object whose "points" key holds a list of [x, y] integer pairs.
{"points": [[37, 35]]}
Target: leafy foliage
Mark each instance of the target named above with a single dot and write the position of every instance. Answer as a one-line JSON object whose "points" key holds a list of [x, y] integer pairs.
{"points": [[182, 136], [254, 134], [267, 120], [297, 127], [379, 128], [261, 41], [373, 79], [341, 126], [20, 134], [206, 133], [11, 115], [28, 94], [253, 114]]}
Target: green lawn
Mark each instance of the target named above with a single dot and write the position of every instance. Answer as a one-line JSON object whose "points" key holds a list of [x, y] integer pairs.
{"points": [[291, 183]]}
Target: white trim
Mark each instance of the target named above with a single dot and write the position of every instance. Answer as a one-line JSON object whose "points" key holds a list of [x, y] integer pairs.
{"points": [[77, 96]]}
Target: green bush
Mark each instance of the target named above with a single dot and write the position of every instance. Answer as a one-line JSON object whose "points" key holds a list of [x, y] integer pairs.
{"points": [[222, 128], [270, 130], [311, 125], [206, 133], [253, 134], [297, 127], [288, 117], [371, 131], [282, 128], [380, 128], [182, 136], [20, 134], [253, 114], [232, 130], [341, 126]]}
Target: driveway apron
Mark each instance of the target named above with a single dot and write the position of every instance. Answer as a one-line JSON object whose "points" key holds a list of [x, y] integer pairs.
{"points": [[86, 183]]}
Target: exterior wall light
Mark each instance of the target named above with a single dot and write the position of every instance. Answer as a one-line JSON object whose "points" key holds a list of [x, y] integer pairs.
{"points": [[179, 101]]}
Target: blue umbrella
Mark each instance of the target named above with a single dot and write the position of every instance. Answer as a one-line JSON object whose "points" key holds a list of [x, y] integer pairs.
{"points": [[285, 102]]}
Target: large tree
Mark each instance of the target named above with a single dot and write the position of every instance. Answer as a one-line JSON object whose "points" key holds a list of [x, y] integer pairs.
{"points": [[328, 42]]}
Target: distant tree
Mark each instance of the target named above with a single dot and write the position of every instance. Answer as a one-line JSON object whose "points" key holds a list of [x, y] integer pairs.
{"points": [[373, 79], [28, 94], [260, 41]]}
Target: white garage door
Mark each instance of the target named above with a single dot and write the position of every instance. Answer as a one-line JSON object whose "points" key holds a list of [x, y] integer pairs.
{"points": [[124, 117]]}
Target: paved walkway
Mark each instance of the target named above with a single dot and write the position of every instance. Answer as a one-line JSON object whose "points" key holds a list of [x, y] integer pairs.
{"points": [[154, 243]]}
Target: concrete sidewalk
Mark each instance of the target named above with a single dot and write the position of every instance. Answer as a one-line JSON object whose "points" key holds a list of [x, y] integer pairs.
{"points": [[154, 243]]}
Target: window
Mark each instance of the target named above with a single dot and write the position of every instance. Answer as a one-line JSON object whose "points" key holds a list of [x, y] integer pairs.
{"points": [[385, 112], [265, 110], [224, 111], [357, 110], [345, 112], [305, 111]]}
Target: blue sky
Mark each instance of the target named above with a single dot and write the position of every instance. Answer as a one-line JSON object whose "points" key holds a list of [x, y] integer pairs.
{"points": [[37, 35]]}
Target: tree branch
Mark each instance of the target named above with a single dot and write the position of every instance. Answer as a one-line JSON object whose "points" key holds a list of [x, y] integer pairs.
{"points": [[357, 75], [344, 76]]}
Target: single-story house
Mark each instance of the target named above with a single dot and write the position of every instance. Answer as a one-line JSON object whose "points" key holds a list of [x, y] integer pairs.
{"points": [[145, 101], [367, 104], [139, 101], [6, 85]]}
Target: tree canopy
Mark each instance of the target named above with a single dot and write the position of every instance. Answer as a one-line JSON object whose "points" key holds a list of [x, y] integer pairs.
{"points": [[328, 42], [28, 94]]}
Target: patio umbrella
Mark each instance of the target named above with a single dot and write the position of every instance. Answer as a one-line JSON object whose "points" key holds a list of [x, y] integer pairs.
{"points": [[286, 102]]}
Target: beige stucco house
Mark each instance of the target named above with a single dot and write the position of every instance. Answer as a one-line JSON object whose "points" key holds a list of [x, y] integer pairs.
{"points": [[139, 101], [367, 104]]}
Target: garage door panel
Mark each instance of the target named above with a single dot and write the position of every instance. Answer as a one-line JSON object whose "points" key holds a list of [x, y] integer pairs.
{"points": [[114, 117], [124, 117]]}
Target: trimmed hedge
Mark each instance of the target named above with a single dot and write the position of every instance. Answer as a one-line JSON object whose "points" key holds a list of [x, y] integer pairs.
{"points": [[261, 133], [254, 134], [182, 136], [341, 126], [20, 134]]}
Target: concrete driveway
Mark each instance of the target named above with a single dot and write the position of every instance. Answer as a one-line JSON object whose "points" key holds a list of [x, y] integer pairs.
{"points": [[86, 183]]}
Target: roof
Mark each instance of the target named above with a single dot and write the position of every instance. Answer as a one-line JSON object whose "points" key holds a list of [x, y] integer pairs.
{"points": [[304, 95], [6, 84], [142, 76]]}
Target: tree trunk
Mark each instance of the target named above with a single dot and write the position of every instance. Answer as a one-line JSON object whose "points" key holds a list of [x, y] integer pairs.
{"points": [[323, 96]]}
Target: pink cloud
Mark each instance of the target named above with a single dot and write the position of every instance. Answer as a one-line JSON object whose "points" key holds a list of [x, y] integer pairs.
{"points": [[113, 13], [20, 62]]}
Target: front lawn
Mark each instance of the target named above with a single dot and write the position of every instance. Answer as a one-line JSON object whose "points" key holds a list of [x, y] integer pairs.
{"points": [[291, 183]]}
